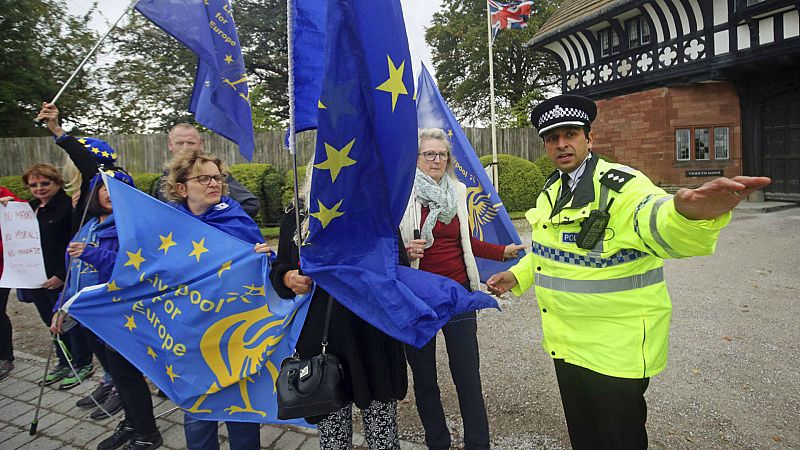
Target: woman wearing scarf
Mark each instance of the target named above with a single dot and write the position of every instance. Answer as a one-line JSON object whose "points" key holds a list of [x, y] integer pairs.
{"points": [[195, 184], [438, 209]]}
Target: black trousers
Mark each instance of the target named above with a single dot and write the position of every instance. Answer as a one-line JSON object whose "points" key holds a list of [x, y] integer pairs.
{"points": [[460, 335], [133, 392], [603, 412], [6, 338], [74, 339]]}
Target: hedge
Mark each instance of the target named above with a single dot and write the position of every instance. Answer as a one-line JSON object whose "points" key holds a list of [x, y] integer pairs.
{"points": [[146, 182], [520, 181], [15, 185], [263, 181], [287, 195]]}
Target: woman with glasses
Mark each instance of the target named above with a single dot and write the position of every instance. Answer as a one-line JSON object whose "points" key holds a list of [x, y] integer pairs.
{"points": [[195, 184], [445, 246]]}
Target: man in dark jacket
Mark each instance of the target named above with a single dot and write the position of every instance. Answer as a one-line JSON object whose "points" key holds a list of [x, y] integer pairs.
{"points": [[185, 137]]}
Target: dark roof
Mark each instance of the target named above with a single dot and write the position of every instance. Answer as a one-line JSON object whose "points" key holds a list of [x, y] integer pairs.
{"points": [[572, 13]]}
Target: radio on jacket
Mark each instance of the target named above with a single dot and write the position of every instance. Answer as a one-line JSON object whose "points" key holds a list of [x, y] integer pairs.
{"points": [[594, 227]]}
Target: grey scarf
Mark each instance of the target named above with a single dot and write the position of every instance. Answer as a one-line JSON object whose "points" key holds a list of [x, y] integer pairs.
{"points": [[439, 198]]}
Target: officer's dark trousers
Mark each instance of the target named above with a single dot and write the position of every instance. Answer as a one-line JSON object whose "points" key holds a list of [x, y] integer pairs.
{"points": [[460, 335], [133, 392], [603, 413]]}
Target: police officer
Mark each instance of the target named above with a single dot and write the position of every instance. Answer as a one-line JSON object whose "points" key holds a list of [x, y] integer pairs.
{"points": [[600, 233]]}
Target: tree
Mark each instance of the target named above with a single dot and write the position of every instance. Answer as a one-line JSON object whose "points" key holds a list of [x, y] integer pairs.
{"points": [[458, 41], [42, 46]]}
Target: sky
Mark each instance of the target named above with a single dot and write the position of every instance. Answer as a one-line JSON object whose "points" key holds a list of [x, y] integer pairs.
{"points": [[417, 13]]}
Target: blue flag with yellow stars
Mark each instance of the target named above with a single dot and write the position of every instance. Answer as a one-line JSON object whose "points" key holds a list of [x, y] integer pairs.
{"points": [[192, 308], [363, 173], [221, 98], [488, 219]]}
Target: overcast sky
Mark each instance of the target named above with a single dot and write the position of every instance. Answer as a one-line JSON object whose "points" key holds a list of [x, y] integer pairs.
{"points": [[418, 15]]}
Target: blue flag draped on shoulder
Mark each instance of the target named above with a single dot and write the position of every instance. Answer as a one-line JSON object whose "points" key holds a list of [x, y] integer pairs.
{"points": [[191, 307], [221, 98], [308, 51], [488, 219], [363, 173]]}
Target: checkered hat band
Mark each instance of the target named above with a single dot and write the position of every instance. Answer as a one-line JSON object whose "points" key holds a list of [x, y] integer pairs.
{"points": [[558, 112]]}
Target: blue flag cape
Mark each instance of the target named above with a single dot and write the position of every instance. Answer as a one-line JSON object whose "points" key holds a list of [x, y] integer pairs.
{"points": [[192, 308], [363, 173], [221, 98], [488, 219]]}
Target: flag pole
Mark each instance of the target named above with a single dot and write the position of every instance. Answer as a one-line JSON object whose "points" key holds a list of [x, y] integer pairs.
{"points": [[91, 52], [292, 130], [491, 97]]}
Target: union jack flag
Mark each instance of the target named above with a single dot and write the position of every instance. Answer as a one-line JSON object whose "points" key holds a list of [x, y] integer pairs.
{"points": [[509, 15]]}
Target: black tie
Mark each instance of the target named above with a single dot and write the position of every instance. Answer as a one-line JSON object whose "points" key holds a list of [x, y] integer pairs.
{"points": [[564, 196]]}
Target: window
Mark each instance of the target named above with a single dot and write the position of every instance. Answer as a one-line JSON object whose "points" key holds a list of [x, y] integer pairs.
{"points": [[721, 143], [695, 144], [609, 42], [752, 2], [638, 31]]}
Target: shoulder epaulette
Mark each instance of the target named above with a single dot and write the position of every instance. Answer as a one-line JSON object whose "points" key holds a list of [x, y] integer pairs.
{"points": [[614, 179]]}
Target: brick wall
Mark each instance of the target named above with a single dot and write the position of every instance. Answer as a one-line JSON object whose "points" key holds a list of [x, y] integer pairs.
{"points": [[639, 129]]}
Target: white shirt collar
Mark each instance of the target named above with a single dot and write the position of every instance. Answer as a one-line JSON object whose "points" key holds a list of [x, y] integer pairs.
{"points": [[576, 174]]}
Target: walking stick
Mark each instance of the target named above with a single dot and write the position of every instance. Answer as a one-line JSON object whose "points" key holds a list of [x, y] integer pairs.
{"points": [[35, 422]]}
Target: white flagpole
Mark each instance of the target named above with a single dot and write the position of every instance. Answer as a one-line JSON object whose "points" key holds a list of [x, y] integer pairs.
{"points": [[491, 98], [91, 52], [292, 130]]}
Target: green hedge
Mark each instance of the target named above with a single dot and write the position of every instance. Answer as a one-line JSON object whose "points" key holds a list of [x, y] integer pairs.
{"points": [[15, 185], [263, 181], [287, 196], [520, 181], [145, 182]]}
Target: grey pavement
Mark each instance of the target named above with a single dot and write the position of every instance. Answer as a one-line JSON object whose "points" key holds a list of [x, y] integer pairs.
{"points": [[62, 425]]}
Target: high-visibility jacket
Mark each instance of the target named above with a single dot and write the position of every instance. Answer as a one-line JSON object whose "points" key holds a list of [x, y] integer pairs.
{"points": [[607, 309]]}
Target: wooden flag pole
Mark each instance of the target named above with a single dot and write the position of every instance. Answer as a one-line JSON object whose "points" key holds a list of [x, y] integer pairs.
{"points": [[91, 52], [491, 97]]}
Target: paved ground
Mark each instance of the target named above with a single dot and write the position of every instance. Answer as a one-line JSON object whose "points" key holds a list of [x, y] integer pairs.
{"points": [[62, 425]]}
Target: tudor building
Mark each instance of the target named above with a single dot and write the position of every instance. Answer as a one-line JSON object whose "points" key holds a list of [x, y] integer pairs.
{"points": [[687, 89]]}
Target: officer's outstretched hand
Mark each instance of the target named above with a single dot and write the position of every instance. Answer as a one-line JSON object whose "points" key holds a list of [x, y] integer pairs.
{"points": [[502, 282], [716, 197]]}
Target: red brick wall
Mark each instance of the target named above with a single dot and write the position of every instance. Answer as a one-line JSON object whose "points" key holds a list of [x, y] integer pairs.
{"points": [[639, 130]]}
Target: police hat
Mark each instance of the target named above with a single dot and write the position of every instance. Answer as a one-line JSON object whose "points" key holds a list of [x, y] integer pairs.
{"points": [[101, 150], [563, 110]]}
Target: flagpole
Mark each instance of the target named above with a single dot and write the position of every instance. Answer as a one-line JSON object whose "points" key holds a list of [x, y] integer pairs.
{"points": [[491, 98], [292, 130], [91, 52]]}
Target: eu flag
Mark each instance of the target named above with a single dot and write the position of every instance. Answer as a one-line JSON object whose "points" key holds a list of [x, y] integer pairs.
{"points": [[363, 173], [191, 307], [221, 99], [488, 218], [308, 45]]}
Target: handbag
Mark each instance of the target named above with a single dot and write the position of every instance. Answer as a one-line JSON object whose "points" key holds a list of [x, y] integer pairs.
{"points": [[308, 387]]}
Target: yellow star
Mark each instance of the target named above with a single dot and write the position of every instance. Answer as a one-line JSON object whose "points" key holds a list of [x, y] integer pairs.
{"points": [[166, 242], [450, 133], [325, 215], [112, 286], [114, 155], [82, 140], [135, 259], [116, 299], [172, 375], [223, 268], [95, 150], [337, 159], [199, 249], [151, 353], [105, 154], [228, 59], [395, 82], [130, 324], [321, 105]]}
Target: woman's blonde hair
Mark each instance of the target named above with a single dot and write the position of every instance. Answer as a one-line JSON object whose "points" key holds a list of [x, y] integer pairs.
{"points": [[183, 166], [439, 135]]}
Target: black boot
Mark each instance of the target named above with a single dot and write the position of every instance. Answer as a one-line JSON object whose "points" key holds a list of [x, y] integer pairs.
{"points": [[142, 442], [121, 436]]}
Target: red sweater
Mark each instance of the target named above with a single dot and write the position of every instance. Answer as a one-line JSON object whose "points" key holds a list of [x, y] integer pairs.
{"points": [[6, 193], [446, 257]]}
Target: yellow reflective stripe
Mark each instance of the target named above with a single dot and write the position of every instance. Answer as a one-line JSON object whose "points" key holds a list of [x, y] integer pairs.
{"points": [[648, 278]]}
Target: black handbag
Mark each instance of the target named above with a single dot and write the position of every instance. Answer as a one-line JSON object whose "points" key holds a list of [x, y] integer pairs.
{"points": [[308, 387]]}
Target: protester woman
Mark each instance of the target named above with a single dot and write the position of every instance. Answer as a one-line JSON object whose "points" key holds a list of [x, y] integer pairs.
{"points": [[93, 253], [438, 209], [196, 185], [373, 363], [6, 333]]}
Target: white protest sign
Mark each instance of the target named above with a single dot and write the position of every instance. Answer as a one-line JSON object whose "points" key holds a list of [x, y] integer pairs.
{"points": [[23, 264]]}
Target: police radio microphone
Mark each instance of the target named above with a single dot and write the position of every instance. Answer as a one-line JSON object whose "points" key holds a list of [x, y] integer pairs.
{"points": [[594, 227]]}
